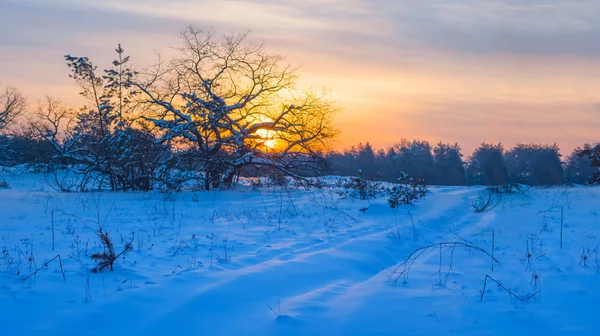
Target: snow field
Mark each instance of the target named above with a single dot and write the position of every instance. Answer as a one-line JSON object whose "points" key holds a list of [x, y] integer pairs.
{"points": [[278, 261]]}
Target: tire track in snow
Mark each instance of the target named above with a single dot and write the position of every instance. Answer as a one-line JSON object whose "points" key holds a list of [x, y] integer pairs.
{"points": [[305, 263]]}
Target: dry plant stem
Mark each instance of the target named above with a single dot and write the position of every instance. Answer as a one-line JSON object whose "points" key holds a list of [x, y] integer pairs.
{"points": [[449, 266], [404, 267], [46, 264], [506, 289], [280, 212], [561, 226], [340, 211], [486, 204], [334, 208], [278, 312], [52, 231], [440, 269], [88, 291], [493, 244]]}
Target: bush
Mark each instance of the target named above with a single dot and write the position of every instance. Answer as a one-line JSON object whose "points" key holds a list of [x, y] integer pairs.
{"points": [[509, 188], [407, 193], [359, 187], [4, 184]]}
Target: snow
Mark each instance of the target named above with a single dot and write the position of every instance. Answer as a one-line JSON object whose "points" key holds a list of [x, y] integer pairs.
{"points": [[298, 262]]}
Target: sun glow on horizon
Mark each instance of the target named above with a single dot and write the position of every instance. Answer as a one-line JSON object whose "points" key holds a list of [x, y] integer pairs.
{"points": [[268, 138]]}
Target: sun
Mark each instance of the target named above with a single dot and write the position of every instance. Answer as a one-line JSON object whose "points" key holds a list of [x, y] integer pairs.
{"points": [[268, 138]]}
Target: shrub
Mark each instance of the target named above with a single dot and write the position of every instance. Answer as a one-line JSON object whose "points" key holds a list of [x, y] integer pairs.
{"points": [[407, 193], [359, 187], [509, 188], [109, 256]]}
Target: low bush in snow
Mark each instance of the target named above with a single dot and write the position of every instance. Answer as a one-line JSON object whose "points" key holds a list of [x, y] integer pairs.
{"points": [[406, 193], [361, 188], [509, 188]]}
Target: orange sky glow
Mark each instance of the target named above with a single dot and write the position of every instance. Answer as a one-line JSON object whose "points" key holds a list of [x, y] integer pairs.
{"points": [[456, 71]]}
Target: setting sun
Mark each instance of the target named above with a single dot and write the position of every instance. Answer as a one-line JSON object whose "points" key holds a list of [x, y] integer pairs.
{"points": [[268, 138]]}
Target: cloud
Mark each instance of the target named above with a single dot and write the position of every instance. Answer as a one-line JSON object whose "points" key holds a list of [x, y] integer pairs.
{"points": [[505, 27], [466, 27]]}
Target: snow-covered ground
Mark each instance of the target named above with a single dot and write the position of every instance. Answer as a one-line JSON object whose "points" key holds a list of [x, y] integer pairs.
{"points": [[297, 262]]}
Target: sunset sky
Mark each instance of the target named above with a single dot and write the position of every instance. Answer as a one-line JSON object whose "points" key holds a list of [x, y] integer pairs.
{"points": [[459, 71]]}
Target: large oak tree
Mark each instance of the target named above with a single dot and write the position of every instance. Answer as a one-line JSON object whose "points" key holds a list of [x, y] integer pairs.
{"points": [[233, 104]]}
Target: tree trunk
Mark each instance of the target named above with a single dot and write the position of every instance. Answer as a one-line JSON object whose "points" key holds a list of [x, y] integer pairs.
{"points": [[229, 175]]}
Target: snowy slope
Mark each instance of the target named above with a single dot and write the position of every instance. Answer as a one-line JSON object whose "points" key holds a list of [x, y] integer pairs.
{"points": [[296, 262]]}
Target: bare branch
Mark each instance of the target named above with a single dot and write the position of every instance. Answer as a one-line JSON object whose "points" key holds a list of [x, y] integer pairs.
{"points": [[12, 105]]}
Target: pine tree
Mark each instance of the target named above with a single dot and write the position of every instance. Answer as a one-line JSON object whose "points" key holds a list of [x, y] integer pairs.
{"points": [[106, 144], [593, 154]]}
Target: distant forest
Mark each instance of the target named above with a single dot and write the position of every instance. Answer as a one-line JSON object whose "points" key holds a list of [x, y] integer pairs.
{"points": [[442, 164], [489, 164]]}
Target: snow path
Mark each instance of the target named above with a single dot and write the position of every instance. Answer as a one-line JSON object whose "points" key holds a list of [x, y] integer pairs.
{"points": [[324, 274]]}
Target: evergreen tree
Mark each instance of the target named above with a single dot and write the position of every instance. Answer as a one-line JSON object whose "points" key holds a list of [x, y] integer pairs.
{"points": [[449, 166], [532, 164], [593, 155], [106, 144], [486, 166], [415, 159], [366, 161], [579, 168]]}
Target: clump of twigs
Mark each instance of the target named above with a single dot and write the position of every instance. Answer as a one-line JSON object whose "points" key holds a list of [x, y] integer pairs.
{"points": [[535, 279], [402, 270], [532, 253], [589, 257], [485, 204], [511, 293], [278, 311], [394, 235], [211, 250], [107, 258], [4, 184]]}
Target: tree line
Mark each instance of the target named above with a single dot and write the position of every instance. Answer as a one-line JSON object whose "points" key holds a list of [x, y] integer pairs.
{"points": [[221, 108], [489, 164]]}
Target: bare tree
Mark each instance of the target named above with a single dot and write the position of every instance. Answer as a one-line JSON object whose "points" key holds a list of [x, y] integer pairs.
{"points": [[27, 144], [53, 119], [53, 122], [12, 104], [234, 105]]}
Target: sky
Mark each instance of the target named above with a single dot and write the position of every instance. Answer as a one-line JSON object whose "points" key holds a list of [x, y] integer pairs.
{"points": [[466, 71]]}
